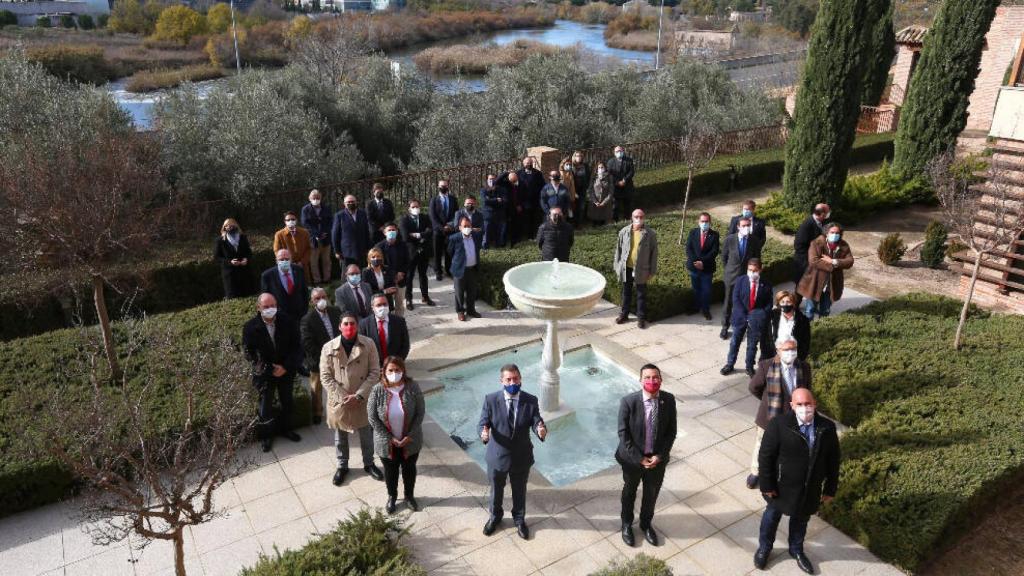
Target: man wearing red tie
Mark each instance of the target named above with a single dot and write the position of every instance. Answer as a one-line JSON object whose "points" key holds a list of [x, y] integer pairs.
{"points": [[389, 332], [288, 285], [751, 305], [701, 257]]}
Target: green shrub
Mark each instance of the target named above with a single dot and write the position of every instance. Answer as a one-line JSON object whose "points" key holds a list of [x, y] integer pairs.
{"points": [[67, 21], [29, 363], [954, 247], [85, 22], [779, 216], [864, 196], [43, 22], [80, 63], [639, 565], [102, 20], [7, 18], [891, 249], [933, 252], [366, 543], [937, 435]]}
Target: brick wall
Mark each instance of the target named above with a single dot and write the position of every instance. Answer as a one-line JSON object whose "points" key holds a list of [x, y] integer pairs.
{"points": [[901, 73], [1002, 41], [986, 295]]}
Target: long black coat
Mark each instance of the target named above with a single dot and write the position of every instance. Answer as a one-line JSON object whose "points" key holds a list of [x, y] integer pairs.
{"points": [[801, 333], [263, 352], [314, 334], [799, 475], [805, 234], [237, 280], [555, 241]]}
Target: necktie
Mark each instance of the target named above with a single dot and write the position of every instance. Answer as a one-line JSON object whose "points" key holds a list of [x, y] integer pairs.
{"points": [[753, 294], [649, 428], [289, 285], [359, 298], [444, 203], [808, 431], [702, 235], [511, 416], [743, 247], [383, 340]]}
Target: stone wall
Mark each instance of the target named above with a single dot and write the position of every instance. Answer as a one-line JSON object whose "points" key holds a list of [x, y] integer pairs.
{"points": [[1001, 45]]}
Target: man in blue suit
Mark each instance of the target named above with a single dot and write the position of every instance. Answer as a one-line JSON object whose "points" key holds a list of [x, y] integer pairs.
{"points": [[751, 307], [506, 420], [287, 283], [464, 252], [442, 209], [701, 253], [350, 234]]}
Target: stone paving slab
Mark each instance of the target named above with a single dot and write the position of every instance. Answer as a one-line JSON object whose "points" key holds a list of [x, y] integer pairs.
{"points": [[706, 516]]}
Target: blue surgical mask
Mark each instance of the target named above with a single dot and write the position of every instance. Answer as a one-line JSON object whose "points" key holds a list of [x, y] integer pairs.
{"points": [[391, 234], [512, 389], [833, 238], [284, 265], [747, 213], [704, 225], [354, 279]]}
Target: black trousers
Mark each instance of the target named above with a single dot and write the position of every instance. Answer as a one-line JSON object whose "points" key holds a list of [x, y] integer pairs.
{"points": [[627, 297], [651, 479], [518, 479], [418, 265], [727, 305], [269, 424], [465, 291], [441, 254], [400, 465], [622, 207]]}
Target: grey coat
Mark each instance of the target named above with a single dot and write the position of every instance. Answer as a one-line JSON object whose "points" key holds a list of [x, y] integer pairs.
{"points": [[601, 192], [732, 265], [377, 412], [646, 258]]}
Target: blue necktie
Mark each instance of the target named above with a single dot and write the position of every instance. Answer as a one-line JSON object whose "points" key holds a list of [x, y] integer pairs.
{"points": [[444, 203], [808, 431], [512, 417], [743, 248]]}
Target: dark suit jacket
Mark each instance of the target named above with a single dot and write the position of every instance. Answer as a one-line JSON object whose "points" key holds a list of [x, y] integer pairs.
{"points": [[294, 304], [237, 279], [285, 349], [632, 428], [318, 225], [805, 234], [799, 475], [350, 236], [708, 255], [345, 298], [370, 279], [314, 335], [378, 217], [398, 335], [494, 201], [551, 196], [530, 185], [396, 256], [476, 219], [621, 170], [457, 250], [759, 383], [757, 227], [514, 195], [733, 266], [507, 450], [742, 313], [801, 332], [439, 217], [416, 246]]}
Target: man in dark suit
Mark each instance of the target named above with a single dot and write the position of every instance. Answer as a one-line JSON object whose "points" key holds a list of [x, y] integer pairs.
{"points": [[757, 225], [701, 257], [553, 194], [737, 250], [442, 209], [379, 211], [515, 193], [388, 331], [751, 305], [464, 252], [353, 295], [271, 344], [495, 217], [469, 210], [418, 238], [350, 234], [622, 170], [647, 430], [531, 182], [318, 327], [812, 227], [288, 285], [316, 218], [798, 470], [506, 420], [396, 260], [555, 237]]}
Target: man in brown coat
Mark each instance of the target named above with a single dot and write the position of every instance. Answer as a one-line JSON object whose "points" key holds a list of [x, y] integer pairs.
{"points": [[822, 283], [773, 384], [349, 367], [295, 239]]}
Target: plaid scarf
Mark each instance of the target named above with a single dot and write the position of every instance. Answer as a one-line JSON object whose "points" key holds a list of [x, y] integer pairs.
{"points": [[774, 387]]}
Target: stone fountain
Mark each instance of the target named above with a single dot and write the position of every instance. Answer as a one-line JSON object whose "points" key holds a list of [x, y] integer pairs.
{"points": [[553, 291]]}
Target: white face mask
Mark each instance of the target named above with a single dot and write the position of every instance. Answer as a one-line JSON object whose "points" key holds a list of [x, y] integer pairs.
{"points": [[394, 377], [619, 154], [315, 202], [744, 230], [753, 276], [414, 211], [600, 171], [788, 356], [467, 231], [567, 167], [269, 313], [638, 221], [321, 304], [380, 312], [805, 414], [290, 223]]}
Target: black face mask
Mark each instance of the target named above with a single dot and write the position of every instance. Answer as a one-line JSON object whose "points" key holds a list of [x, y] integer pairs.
{"points": [[350, 206], [556, 179], [557, 218], [443, 190], [470, 208], [787, 308]]}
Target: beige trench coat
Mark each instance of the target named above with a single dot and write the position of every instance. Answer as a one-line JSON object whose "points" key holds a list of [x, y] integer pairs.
{"points": [[342, 375]]}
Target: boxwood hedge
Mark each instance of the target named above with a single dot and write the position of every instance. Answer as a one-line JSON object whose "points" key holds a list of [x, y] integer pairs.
{"points": [[937, 434], [26, 364]]}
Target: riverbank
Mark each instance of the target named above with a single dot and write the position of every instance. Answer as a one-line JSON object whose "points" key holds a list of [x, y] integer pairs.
{"points": [[153, 80], [469, 59]]}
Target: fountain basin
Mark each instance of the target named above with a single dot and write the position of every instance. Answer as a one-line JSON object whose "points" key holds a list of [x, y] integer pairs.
{"points": [[531, 290]]}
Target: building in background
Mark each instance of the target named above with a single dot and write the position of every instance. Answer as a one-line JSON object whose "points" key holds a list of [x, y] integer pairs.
{"points": [[28, 13]]}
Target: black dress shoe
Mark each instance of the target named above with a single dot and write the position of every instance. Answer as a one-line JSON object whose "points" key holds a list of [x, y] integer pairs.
{"points": [[426, 300], [621, 319], [523, 530], [707, 315], [412, 503], [752, 481], [339, 476], [726, 370], [292, 436], [267, 443], [474, 314], [491, 526], [627, 535], [641, 324], [761, 558], [316, 420], [724, 334], [390, 506], [374, 472], [462, 316], [803, 562], [651, 536], [750, 372], [409, 306], [439, 277]]}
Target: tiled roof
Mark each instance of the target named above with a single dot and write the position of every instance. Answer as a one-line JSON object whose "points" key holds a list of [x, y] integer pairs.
{"points": [[911, 35]]}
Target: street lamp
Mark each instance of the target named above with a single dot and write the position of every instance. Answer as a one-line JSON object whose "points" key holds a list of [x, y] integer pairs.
{"points": [[234, 34], [657, 53]]}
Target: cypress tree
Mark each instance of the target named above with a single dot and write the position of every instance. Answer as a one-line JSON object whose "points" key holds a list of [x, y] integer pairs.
{"points": [[881, 51], [828, 101], [935, 111]]}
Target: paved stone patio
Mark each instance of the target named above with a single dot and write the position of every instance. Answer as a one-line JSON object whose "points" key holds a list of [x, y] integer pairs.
{"points": [[707, 518]]}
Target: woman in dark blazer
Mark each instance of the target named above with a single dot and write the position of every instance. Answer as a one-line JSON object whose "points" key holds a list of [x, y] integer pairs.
{"points": [[395, 409], [785, 309], [233, 252], [380, 278]]}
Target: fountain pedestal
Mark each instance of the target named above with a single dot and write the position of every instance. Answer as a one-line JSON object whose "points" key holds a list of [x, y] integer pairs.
{"points": [[550, 361]]}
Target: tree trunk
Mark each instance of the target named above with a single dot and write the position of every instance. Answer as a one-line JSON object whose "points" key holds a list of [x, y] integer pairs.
{"points": [[104, 320], [179, 553], [686, 201], [967, 302]]}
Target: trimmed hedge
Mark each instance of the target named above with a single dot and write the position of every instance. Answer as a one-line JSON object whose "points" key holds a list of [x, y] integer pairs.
{"points": [[27, 364], [668, 295], [938, 433]]}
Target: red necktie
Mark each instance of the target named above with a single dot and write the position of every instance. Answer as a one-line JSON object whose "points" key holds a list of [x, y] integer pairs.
{"points": [[289, 285], [383, 340], [753, 294], [702, 234]]}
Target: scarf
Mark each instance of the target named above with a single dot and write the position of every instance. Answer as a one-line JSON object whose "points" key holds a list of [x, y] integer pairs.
{"points": [[774, 388]]}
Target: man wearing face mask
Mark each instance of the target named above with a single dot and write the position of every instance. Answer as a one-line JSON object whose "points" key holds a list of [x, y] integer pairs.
{"points": [[506, 420], [464, 251], [773, 384], [354, 295], [554, 194], [635, 263], [442, 209], [389, 332], [349, 367], [295, 239], [757, 225], [469, 210], [379, 211], [495, 216], [318, 327], [622, 172], [288, 285], [751, 306], [701, 257], [396, 260], [271, 344], [812, 227], [316, 218], [737, 250], [581, 185], [531, 182], [647, 431], [798, 471], [350, 234], [555, 237], [419, 239], [822, 283]]}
